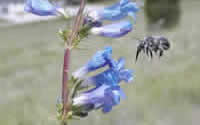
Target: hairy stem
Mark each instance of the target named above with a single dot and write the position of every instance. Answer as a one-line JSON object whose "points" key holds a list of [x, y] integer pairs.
{"points": [[65, 91], [65, 80]]}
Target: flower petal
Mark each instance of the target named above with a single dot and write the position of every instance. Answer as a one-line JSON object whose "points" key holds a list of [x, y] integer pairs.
{"points": [[104, 97], [133, 16], [40, 7], [126, 75], [100, 59], [115, 30], [112, 76], [106, 108], [124, 2], [116, 11]]}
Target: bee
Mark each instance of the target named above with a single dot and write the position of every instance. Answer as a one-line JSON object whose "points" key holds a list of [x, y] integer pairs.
{"points": [[152, 45]]}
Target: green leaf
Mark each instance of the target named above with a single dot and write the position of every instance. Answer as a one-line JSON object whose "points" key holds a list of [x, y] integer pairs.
{"points": [[83, 33], [64, 34]]}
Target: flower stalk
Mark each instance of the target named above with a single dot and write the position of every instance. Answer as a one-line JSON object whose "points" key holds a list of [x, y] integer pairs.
{"points": [[103, 89], [64, 82], [68, 47]]}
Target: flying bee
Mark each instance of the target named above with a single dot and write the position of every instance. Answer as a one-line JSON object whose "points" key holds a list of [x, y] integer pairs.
{"points": [[153, 44]]}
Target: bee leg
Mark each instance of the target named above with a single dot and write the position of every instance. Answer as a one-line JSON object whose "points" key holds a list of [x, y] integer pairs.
{"points": [[161, 53], [137, 54], [147, 51], [151, 54]]}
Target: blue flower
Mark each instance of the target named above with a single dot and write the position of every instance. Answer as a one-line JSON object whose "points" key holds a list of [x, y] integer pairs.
{"points": [[118, 5], [116, 11], [104, 97], [114, 30], [112, 76], [100, 59], [40, 7], [130, 9], [123, 2]]}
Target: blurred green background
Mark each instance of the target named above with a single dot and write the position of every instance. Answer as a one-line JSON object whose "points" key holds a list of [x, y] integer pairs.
{"points": [[164, 91], [166, 13]]}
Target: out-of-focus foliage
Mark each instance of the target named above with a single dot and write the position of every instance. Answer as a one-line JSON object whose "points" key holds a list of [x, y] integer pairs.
{"points": [[163, 12]]}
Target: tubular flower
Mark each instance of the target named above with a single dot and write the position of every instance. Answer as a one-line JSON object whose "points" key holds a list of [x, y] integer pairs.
{"points": [[112, 76], [104, 97], [116, 11], [114, 30], [130, 9], [123, 2], [106, 91], [100, 59], [40, 7]]}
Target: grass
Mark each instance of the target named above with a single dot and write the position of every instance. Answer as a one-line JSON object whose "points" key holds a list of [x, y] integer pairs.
{"points": [[164, 92]]}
